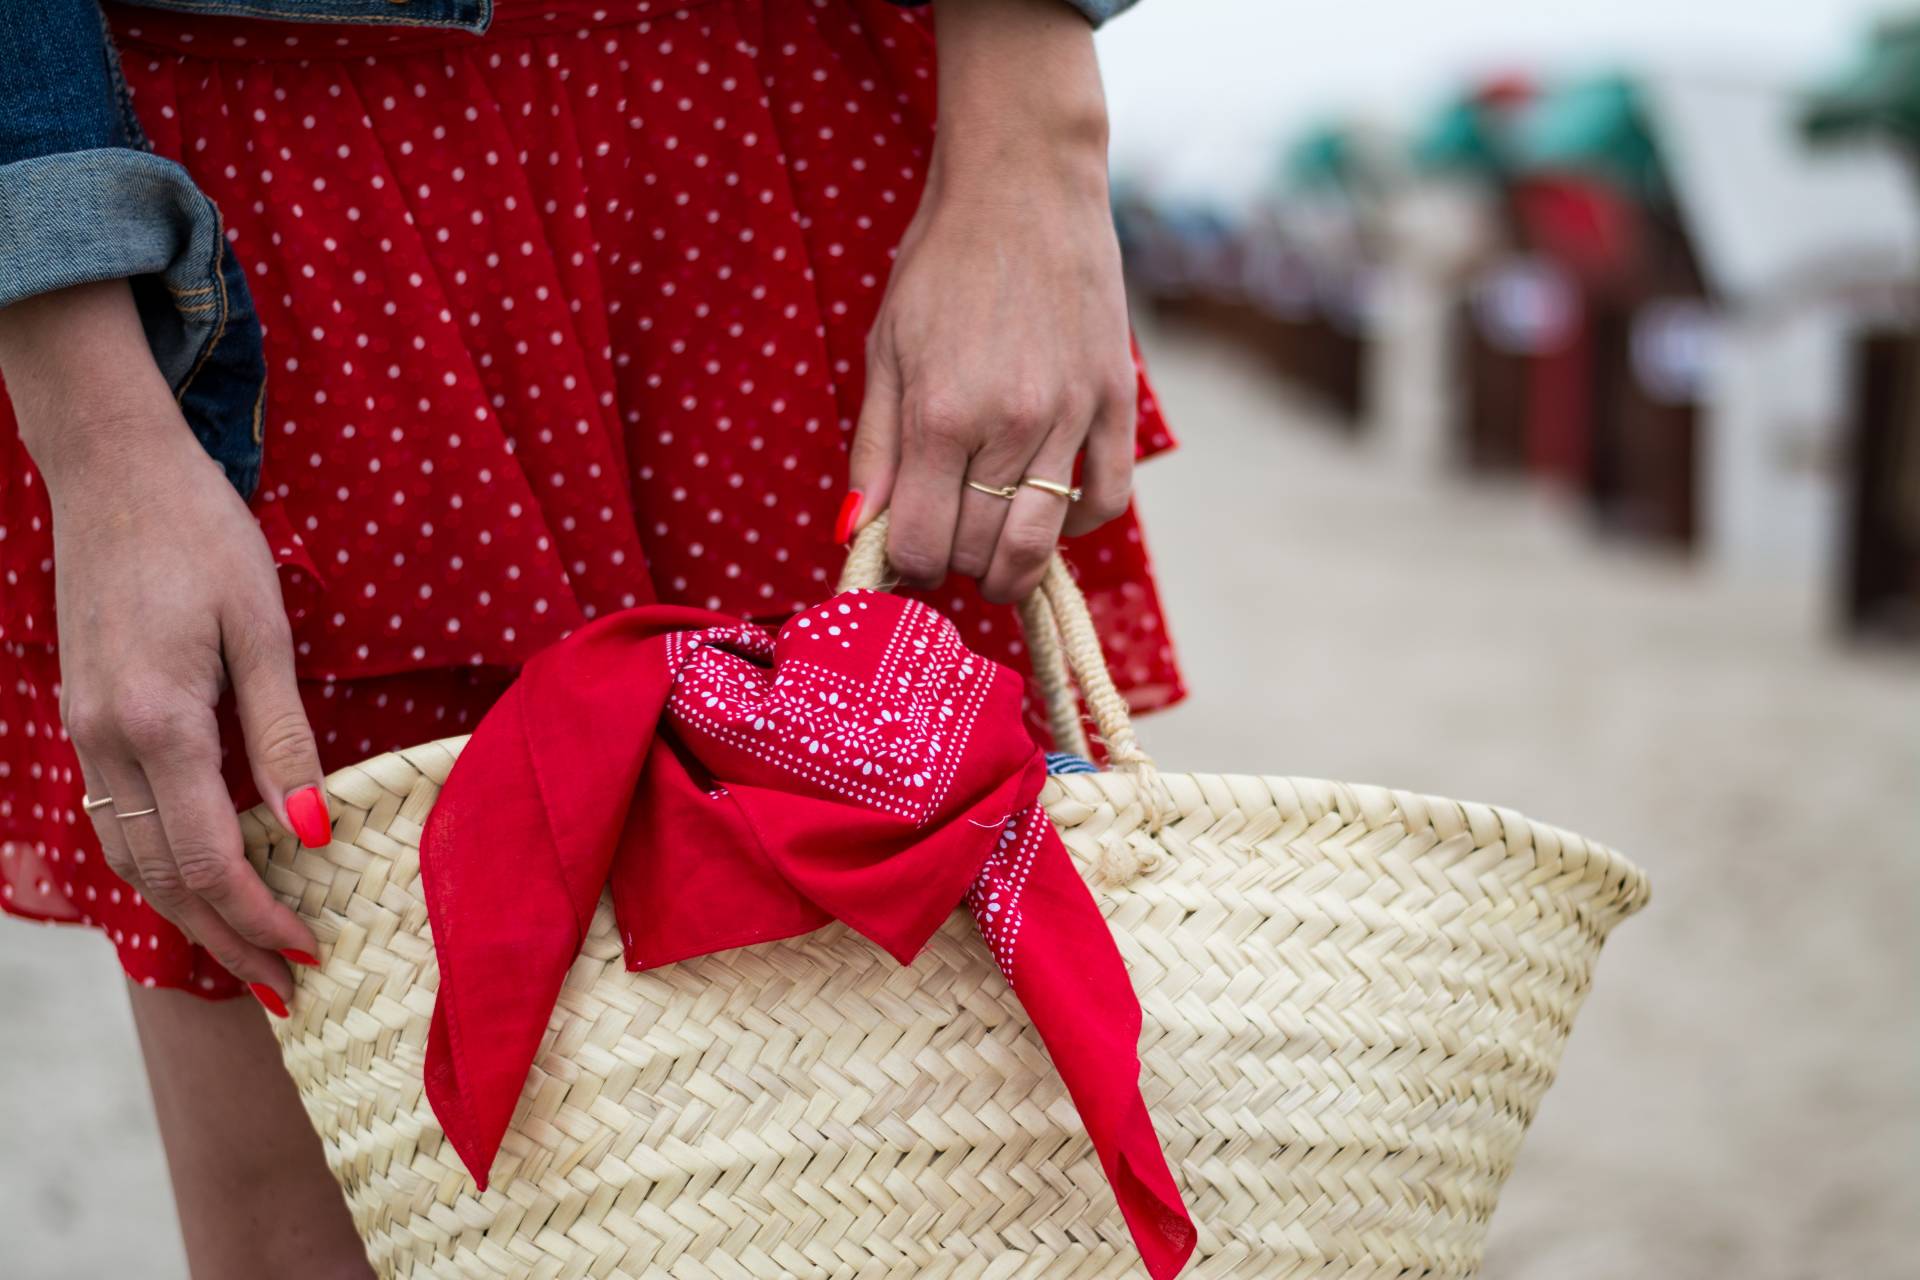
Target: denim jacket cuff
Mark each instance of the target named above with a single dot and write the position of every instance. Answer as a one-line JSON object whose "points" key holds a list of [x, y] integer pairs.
{"points": [[113, 213], [109, 214], [1099, 11], [1096, 11]]}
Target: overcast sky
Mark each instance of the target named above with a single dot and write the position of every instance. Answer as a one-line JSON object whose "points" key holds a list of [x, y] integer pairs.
{"points": [[1201, 89]]}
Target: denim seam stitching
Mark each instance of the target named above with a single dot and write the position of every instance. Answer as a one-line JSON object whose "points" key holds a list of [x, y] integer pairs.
{"points": [[252, 11], [220, 329], [260, 415]]}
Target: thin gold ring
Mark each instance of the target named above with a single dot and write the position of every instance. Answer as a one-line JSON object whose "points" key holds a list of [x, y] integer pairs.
{"points": [[1070, 492], [88, 803], [135, 813], [997, 490]]}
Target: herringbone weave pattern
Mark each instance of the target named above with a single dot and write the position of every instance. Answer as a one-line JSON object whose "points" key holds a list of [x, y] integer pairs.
{"points": [[1354, 1001]]}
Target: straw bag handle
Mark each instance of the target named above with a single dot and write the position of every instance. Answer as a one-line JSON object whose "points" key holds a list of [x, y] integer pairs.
{"points": [[1060, 638]]}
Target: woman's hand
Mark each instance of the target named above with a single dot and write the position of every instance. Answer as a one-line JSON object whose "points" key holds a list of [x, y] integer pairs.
{"points": [[1001, 350], [165, 589]]}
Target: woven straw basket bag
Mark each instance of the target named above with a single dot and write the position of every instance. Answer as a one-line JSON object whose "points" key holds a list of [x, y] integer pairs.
{"points": [[1354, 1000]]}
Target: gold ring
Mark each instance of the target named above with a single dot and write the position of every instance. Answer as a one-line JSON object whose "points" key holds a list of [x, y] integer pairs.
{"points": [[88, 803], [135, 813], [997, 490], [1070, 492]]}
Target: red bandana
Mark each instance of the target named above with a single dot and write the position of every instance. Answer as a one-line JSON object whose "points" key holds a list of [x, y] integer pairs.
{"points": [[731, 787]]}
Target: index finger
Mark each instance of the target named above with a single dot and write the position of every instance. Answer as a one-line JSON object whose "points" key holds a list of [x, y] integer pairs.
{"points": [[203, 835]]}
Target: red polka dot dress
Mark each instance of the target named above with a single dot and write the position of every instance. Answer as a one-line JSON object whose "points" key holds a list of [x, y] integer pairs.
{"points": [[558, 320]]}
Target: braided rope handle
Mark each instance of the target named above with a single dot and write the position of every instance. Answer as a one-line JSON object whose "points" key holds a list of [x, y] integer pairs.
{"points": [[1050, 672], [1066, 652]]}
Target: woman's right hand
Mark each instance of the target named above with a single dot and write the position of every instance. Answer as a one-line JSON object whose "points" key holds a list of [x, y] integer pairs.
{"points": [[165, 590]]}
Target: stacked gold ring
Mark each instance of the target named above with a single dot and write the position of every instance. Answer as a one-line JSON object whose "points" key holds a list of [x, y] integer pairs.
{"points": [[1070, 492], [89, 803]]}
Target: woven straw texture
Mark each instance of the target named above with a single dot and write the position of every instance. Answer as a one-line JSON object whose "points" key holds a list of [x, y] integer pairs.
{"points": [[1354, 1000]]}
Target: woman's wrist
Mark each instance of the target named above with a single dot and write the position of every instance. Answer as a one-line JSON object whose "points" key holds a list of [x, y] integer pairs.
{"points": [[1020, 100], [81, 376]]}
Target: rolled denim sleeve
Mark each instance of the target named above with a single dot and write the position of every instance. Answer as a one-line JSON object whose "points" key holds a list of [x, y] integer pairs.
{"points": [[82, 199], [1097, 11]]}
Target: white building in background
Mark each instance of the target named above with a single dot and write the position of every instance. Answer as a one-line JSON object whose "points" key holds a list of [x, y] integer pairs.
{"points": [[1800, 246]]}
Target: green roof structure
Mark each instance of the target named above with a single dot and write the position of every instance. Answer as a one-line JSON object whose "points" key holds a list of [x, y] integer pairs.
{"points": [[1596, 127], [1880, 93]]}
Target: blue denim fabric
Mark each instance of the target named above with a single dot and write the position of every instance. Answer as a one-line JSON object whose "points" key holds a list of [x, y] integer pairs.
{"points": [[82, 200], [465, 15], [1097, 11], [471, 15]]}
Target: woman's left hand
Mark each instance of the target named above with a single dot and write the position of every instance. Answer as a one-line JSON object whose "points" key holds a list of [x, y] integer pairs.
{"points": [[1001, 350]]}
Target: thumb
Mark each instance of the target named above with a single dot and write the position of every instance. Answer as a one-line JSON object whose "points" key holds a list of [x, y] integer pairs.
{"points": [[273, 723], [875, 455]]}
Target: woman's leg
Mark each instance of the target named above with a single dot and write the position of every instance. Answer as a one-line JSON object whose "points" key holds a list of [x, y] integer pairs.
{"points": [[252, 1187]]}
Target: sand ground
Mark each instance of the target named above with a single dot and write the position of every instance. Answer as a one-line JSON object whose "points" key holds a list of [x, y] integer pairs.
{"points": [[1742, 1095]]}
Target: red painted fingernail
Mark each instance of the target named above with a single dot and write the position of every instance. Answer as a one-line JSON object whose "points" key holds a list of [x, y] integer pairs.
{"points": [[849, 512], [307, 815], [301, 957], [267, 996]]}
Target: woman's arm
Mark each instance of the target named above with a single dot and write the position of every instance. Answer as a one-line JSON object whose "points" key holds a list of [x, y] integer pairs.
{"points": [[164, 586], [165, 591], [1001, 349]]}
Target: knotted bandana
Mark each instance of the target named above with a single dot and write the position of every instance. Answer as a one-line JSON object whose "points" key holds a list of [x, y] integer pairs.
{"points": [[730, 786]]}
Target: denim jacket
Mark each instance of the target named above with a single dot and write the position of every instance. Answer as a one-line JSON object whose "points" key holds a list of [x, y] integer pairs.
{"points": [[83, 198]]}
